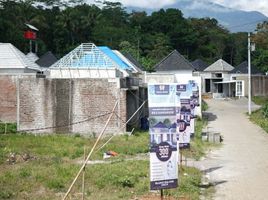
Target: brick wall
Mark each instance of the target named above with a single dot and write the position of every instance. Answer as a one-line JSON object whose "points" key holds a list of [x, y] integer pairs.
{"points": [[60, 102], [8, 105]]}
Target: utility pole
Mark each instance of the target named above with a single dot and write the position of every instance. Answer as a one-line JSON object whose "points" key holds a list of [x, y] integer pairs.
{"points": [[249, 75]]}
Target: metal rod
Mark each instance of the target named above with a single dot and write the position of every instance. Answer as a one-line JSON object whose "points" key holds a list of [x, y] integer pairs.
{"points": [[249, 76], [93, 148]]}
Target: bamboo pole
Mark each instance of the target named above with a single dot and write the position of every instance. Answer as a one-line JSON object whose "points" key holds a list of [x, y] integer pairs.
{"points": [[122, 127], [83, 178], [93, 148]]}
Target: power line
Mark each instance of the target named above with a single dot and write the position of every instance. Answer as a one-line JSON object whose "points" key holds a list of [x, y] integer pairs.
{"points": [[66, 125]]}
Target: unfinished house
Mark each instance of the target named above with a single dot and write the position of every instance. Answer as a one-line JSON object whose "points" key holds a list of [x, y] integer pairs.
{"points": [[13, 65], [216, 80], [80, 92]]}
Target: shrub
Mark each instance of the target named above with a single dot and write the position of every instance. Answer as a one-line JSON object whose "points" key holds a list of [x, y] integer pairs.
{"points": [[265, 110]]}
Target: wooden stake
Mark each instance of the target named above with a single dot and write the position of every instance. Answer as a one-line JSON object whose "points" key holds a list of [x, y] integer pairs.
{"points": [[162, 194], [181, 159], [93, 148], [5, 128]]}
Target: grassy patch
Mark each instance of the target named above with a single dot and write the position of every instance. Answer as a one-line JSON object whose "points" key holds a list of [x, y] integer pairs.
{"points": [[259, 100], [6, 128], [204, 106], [260, 117], [198, 147], [50, 174]]}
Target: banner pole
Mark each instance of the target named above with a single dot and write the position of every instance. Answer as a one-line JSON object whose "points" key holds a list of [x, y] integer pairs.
{"points": [[162, 194]]}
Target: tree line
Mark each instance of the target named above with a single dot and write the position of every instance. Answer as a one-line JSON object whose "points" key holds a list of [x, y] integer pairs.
{"points": [[63, 25]]}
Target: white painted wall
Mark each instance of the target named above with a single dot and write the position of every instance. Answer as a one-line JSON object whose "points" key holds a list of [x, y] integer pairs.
{"points": [[84, 73]]}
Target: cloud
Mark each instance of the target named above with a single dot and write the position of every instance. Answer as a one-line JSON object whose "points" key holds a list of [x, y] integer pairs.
{"points": [[203, 5], [143, 3], [248, 5]]}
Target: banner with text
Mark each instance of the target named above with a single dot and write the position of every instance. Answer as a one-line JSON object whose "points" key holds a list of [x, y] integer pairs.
{"points": [[163, 108]]}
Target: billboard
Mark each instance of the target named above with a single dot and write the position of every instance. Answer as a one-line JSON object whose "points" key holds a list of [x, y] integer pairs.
{"points": [[163, 136]]}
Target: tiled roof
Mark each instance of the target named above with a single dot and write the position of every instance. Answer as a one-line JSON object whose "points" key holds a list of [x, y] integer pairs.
{"points": [[219, 66], [11, 57], [242, 68], [199, 65], [174, 62], [46, 60]]}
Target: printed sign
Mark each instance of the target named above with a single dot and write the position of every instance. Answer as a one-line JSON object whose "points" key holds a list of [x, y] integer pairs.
{"points": [[163, 136], [185, 116]]}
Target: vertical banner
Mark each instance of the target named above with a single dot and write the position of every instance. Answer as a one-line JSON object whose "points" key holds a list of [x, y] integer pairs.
{"points": [[163, 137], [184, 129]]}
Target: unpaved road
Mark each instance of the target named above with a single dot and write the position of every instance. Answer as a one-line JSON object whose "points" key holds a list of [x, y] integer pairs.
{"points": [[239, 169]]}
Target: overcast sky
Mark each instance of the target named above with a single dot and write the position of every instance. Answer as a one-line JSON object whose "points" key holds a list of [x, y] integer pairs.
{"points": [[249, 5]]}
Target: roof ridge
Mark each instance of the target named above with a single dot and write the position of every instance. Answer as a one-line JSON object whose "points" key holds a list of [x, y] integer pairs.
{"points": [[15, 51], [165, 58]]}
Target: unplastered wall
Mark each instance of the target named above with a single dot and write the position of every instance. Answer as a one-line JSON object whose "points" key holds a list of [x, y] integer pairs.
{"points": [[36, 104], [8, 104], [92, 98], [70, 105]]}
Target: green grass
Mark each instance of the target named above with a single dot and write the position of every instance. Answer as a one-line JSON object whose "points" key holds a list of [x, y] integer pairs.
{"points": [[6, 128], [260, 100], [204, 105], [198, 147], [259, 117], [54, 166]]}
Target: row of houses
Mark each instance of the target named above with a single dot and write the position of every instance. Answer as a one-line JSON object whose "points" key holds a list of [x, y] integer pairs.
{"points": [[49, 95]]}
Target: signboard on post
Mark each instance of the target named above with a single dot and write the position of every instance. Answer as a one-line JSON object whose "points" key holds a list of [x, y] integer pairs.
{"points": [[163, 136]]}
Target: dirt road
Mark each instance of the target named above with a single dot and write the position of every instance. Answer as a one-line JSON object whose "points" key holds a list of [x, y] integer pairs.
{"points": [[239, 169]]}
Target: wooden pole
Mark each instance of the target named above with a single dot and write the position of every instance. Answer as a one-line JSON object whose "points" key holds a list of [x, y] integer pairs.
{"points": [[83, 178], [93, 148], [181, 159], [162, 194]]}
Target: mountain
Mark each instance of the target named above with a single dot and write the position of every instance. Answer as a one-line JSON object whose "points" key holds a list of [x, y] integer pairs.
{"points": [[232, 19]]}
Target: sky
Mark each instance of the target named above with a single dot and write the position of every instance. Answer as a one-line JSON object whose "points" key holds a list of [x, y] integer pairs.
{"points": [[248, 5]]}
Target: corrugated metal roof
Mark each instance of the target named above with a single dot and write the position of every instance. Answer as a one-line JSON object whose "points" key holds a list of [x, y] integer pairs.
{"points": [[114, 57], [11, 57], [127, 61], [219, 66]]}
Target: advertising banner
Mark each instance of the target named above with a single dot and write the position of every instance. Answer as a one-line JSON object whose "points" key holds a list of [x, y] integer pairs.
{"points": [[163, 136], [184, 117]]}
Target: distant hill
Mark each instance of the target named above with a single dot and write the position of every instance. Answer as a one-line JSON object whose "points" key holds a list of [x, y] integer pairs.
{"points": [[234, 20]]}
